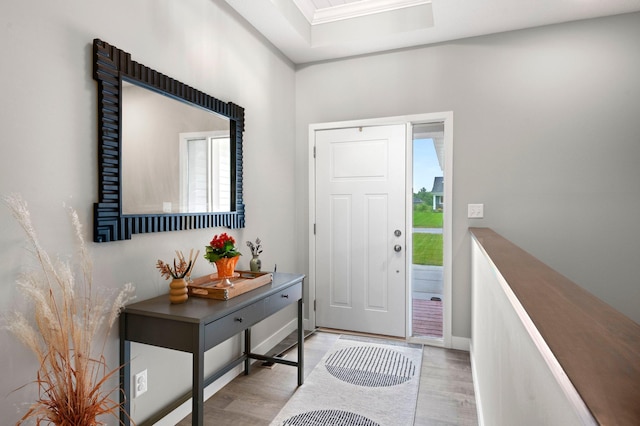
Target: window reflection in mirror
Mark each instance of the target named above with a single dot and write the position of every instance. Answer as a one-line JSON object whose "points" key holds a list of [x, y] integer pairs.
{"points": [[205, 171], [175, 156]]}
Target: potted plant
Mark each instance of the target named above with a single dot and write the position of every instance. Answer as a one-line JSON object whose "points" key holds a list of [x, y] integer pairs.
{"points": [[223, 253], [178, 291], [255, 264]]}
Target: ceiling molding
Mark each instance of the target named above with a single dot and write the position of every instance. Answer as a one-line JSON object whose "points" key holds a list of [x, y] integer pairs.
{"points": [[287, 23], [307, 8], [316, 16]]}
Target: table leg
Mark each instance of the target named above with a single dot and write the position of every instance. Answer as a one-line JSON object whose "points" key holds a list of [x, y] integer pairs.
{"points": [[125, 374], [300, 343], [247, 350], [197, 393]]}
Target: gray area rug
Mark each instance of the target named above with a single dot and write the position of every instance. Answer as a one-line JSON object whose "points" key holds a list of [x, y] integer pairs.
{"points": [[360, 381]]}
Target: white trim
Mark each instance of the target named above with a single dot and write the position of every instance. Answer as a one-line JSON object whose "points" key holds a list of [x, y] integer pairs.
{"points": [[461, 343], [174, 417], [311, 279], [307, 8], [184, 409], [356, 9], [447, 119], [183, 171], [476, 387], [277, 337], [410, 120], [448, 227], [425, 340], [408, 237]]}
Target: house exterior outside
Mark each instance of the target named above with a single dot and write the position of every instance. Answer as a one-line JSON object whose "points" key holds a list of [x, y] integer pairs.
{"points": [[438, 193]]}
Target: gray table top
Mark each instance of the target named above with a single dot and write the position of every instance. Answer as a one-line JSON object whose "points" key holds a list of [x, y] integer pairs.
{"points": [[203, 310]]}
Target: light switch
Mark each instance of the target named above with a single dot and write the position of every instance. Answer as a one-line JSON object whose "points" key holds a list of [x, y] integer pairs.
{"points": [[475, 211]]}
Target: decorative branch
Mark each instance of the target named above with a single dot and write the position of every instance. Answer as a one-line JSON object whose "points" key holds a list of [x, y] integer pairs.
{"points": [[181, 268], [255, 249]]}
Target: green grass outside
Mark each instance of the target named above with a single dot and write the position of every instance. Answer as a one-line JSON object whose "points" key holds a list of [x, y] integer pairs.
{"points": [[427, 219], [427, 249]]}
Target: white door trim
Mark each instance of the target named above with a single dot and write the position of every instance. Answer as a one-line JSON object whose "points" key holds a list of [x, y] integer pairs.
{"points": [[410, 120]]}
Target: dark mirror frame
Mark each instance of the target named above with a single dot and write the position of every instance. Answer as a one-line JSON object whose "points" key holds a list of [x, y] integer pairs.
{"points": [[110, 66]]}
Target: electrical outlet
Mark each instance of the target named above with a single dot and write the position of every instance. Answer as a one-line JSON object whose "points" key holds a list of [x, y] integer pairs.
{"points": [[475, 211], [140, 383]]}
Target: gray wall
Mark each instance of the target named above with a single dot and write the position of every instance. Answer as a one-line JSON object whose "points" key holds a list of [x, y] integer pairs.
{"points": [[48, 153], [546, 135]]}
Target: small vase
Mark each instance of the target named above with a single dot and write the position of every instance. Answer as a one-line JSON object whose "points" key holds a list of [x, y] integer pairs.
{"points": [[178, 291], [226, 266], [255, 263]]}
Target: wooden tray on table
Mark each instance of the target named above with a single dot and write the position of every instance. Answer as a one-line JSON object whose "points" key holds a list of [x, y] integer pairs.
{"points": [[244, 281]]}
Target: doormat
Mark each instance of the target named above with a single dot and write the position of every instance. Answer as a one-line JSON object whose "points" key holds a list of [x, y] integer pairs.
{"points": [[366, 382]]}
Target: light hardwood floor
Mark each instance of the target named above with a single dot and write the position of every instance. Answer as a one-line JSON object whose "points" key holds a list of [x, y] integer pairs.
{"points": [[445, 397]]}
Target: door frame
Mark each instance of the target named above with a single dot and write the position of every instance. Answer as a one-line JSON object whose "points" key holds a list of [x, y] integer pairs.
{"points": [[409, 120]]}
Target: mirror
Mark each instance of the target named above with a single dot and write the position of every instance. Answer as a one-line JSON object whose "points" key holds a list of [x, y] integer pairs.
{"points": [[178, 164], [170, 156]]}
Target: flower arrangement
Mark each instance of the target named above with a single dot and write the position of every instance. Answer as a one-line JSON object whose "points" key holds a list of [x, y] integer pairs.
{"points": [[256, 248], [221, 246], [69, 319], [181, 268]]}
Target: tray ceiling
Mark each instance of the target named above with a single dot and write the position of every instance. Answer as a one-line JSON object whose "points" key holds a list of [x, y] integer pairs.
{"points": [[315, 30]]}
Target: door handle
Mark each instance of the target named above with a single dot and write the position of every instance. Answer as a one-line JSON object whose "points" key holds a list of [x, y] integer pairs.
{"points": [[397, 248]]}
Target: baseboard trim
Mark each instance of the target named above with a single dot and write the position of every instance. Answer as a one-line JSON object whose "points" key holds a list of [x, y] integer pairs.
{"points": [[476, 389], [460, 343], [277, 337], [184, 409], [174, 417]]}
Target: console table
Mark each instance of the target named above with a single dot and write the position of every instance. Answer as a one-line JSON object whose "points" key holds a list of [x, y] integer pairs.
{"points": [[200, 324]]}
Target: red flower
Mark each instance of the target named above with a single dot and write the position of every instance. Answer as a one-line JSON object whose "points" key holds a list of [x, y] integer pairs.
{"points": [[222, 245], [219, 241]]}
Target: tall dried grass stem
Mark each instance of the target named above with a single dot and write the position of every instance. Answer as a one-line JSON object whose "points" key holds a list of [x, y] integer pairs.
{"points": [[68, 332]]}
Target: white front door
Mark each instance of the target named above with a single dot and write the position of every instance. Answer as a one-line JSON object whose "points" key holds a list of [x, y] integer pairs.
{"points": [[360, 229]]}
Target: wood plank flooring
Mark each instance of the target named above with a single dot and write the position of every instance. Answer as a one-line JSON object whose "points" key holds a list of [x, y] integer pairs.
{"points": [[445, 397]]}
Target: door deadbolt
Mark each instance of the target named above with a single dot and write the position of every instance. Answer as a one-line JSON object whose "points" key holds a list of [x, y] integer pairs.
{"points": [[397, 248], [397, 232]]}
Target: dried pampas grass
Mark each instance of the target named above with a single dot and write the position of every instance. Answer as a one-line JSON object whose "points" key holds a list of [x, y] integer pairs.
{"points": [[68, 332]]}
